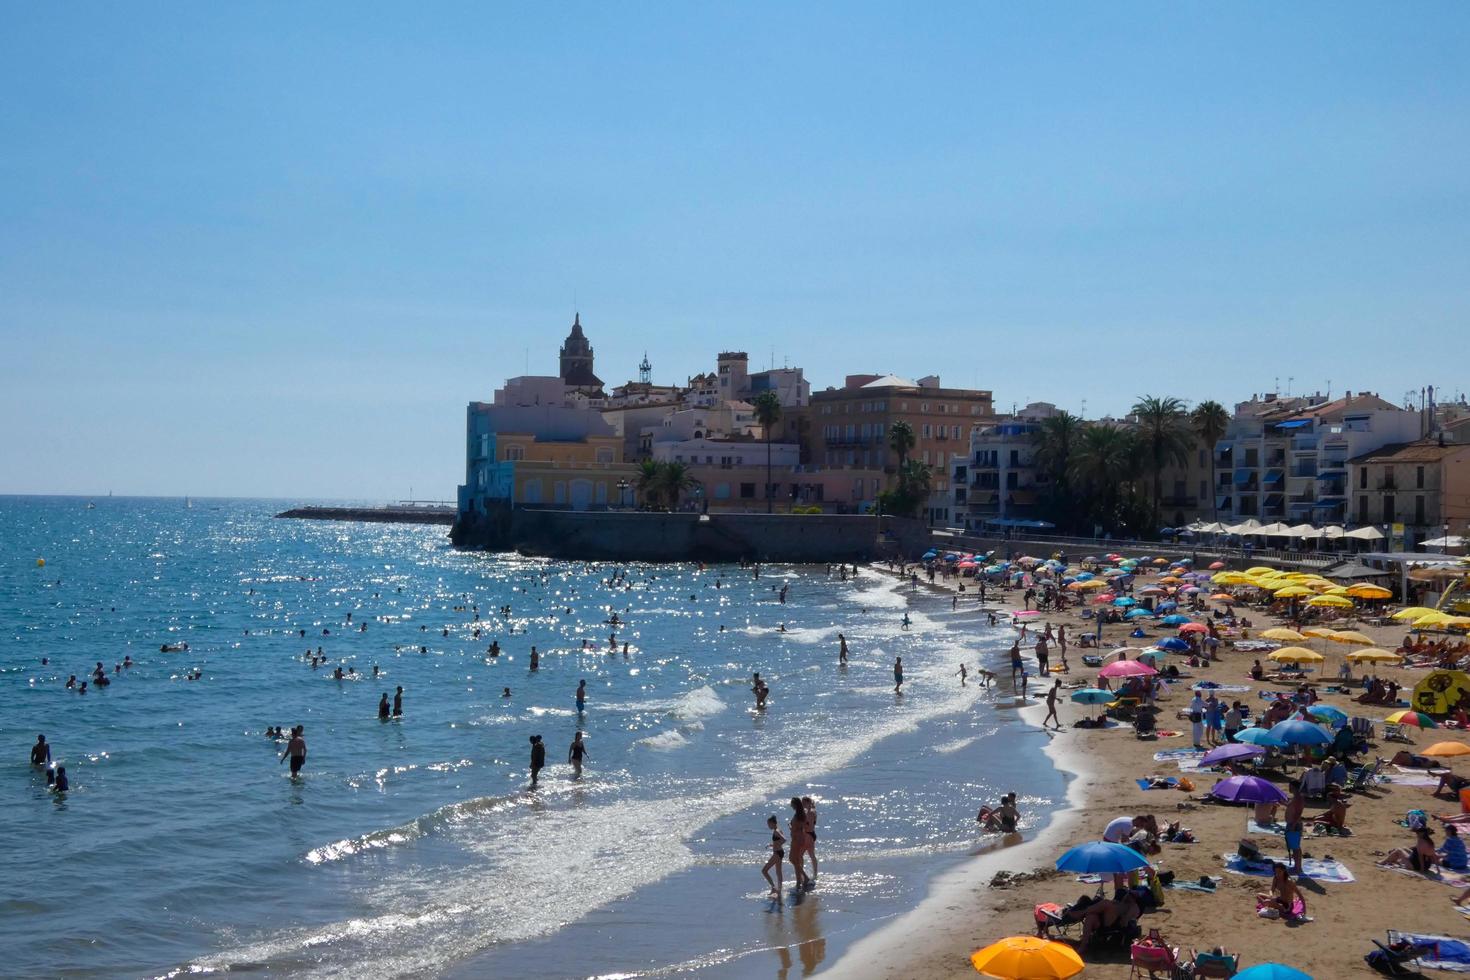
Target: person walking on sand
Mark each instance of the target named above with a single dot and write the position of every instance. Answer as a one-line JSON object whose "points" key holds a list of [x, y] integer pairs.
{"points": [[1017, 667], [296, 750], [1292, 816], [538, 759], [810, 806], [1043, 656], [898, 675], [576, 753], [1051, 705], [797, 826], [777, 857], [841, 649]]}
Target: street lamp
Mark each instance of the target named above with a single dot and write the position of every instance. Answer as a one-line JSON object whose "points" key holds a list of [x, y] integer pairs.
{"points": [[623, 486]]}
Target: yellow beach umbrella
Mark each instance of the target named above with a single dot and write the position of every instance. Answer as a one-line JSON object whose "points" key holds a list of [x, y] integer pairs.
{"points": [[1365, 591], [1292, 592], [1330, 601], [1413, 612], [1374, 655], [1230, 578], [1433, 619], [1297, 655], [1353, 637], [1262, 570], [1319, 633], [1338, 590], [1444, 750], [1027, 958], [1283, 634]]}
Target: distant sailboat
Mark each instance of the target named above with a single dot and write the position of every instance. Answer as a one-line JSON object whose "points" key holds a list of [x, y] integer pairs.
{"points": [[188, 503], [91, 506]]}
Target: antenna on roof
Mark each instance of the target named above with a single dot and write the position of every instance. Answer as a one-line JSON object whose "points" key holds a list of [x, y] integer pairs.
{"points": [[1289, 379]]}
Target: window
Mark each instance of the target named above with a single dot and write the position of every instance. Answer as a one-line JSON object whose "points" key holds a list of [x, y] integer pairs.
{"points": [[1015, 457], [954, 432], [604, 455], [1362, 510], [1419, 505], [747, 491], [1388, 508], [1419, 478], [923, 406], [928, 431], [926, 457], [1362, 478], [515, 452]]}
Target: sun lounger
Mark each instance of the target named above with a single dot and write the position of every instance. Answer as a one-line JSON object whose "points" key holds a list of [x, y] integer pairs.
{"points": [[1213, 966], [1395, 733], [1363, 729], [1433, 952]]}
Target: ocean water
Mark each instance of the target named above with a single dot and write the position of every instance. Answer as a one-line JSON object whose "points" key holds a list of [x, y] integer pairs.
{"points": [[413, 847]]}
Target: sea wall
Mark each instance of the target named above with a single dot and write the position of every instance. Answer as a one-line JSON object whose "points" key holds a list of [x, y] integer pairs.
{"points": [[376, 515], [647, 536]]}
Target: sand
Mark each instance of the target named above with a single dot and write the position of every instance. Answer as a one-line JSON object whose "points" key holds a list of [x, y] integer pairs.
{"points": [[967, 910]]}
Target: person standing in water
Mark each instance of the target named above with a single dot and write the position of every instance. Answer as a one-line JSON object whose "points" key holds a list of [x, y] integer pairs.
{"points": [[810, 806], [383, 707], [296, 749], [576, 753], [398, 702], [778, 855], [1051, 705], [538, 759], [582, 696], [797, 826], [841, 649], [535, 659], [962, 674], [898, 675], [40, 752]]}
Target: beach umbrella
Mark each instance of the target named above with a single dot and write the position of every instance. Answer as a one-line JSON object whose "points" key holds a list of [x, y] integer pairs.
{"points": [[1374, 655], [1328, 715], [1127, 668], [1173, 644], [1258, 736], [1093, 695], [1416, 718], [1085, 576], [1138, 614], [1272, 971], [1292, 592], [1262, 570], [1320, 632], [1296, 655], [1283, 634], [1101, 857], [1294, 731], [1222, 597], [1170, 604], [1247, 789], [1175, 620], [1193, 627], [1125, 601], [1351, 636], [1217, 565], [1151, 590], [1329, 602], [1433, 619], [1412, 612], [1229, 753], [1445, 750], [1027, 958]]}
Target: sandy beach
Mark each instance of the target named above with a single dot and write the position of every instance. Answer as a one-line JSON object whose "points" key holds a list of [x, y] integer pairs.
{"points": [[977, 904]]}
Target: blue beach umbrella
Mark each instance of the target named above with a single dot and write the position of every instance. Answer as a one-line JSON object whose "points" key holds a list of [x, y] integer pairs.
{"points": [[1101, 857], [1124, 600], [1085, 576], [1138, 614], [1175, 620], [1167, 604], [1173, 643], [1093, 695], [1294, 731], [931, 553], [1259, 736], [1272, 971], [1327, 713]]}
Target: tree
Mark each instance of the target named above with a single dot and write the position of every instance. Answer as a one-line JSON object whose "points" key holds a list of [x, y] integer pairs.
{"points": [[767, 412], [914, 480], [647, 480], [1055, 440], [1210, 420], [1164, 427], [673, 480], [1104, 465], [901, 440]]}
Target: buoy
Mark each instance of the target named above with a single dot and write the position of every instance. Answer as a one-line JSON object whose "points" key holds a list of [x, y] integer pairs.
{"points": [[40, 563]]}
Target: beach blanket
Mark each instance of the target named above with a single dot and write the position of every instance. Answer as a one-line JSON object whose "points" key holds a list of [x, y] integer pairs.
{"points": [[1172, 782], [1411, 771], [1277, 829], [1222, 688], [1177, 755], [1449, 953], [1194, 886], [1318, 869], [1455, 879], [1410, 777]]}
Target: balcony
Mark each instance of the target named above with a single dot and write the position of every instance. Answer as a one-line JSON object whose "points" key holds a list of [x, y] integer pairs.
{"points": [[1388, 483], [1176, 500]]}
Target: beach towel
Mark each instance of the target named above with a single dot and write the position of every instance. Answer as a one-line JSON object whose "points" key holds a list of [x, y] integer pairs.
{"points": [[1410, 771], [1318, 869], [1222, 688], [1455, 879], [1449, 953], [1410, 777], [1274, 829], [1177, 755], [1193, 886]]}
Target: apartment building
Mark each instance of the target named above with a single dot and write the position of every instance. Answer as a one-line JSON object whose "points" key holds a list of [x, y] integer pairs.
{"points": [[1414, 491]]}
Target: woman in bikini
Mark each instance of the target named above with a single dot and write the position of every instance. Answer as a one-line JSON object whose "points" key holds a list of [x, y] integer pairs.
{"points": [[778, 854], [797, 826], [810, 806]]}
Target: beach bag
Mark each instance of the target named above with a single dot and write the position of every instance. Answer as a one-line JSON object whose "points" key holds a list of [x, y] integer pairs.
{"points": [[1416, 820], [1195, 717], [1248, 850]]}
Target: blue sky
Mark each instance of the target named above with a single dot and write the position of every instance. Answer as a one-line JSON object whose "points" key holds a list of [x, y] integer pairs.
{"points": [[273, 249]]}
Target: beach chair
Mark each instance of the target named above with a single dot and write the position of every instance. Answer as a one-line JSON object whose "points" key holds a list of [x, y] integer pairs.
{"points": [[1364, 777], [1395, 957], [1214, 966], [1395, 733], [1153, 960], [1363, 729], [1314, 783]]}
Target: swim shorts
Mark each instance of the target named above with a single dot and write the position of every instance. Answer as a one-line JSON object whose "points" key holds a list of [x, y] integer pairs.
{"points": [[1293, 840]]}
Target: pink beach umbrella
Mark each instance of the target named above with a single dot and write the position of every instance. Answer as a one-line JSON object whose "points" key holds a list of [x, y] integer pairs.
{"points": [[1127, 668], [1194, 628]]}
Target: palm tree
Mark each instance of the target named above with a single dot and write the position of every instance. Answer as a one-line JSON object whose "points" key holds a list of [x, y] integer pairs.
{"points": [[915, 478], [647, 481], [901, 440], [1055, 440], [1103, 465], [767, 411], [673, 480], [1163, 424], [1210, 420]]}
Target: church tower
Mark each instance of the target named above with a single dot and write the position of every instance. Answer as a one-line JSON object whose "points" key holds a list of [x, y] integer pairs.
{"points": [[576, 360], [645, 370]]}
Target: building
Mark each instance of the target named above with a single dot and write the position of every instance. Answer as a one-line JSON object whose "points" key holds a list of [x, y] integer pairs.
{"points": [[576, 362], [998, 483], [1285, 460], [739, 487], [1415, 491], [849, 428]]}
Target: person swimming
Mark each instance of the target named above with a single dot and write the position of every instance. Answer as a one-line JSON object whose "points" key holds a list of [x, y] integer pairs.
{"points": [[62, 784], [505, 692]]}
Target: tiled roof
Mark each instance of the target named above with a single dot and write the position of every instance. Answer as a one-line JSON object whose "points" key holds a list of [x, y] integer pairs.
{"points": [[1423, 451]]}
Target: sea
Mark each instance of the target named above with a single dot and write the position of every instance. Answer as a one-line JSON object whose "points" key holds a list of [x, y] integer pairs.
{"points": [[414, 846]]}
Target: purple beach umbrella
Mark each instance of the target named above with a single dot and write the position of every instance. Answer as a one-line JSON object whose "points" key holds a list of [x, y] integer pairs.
{"points": [[1228, 753], [1247, 789]]}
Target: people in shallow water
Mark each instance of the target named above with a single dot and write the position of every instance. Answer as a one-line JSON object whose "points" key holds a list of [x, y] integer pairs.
{"points": [[40, 752], [383, 706], [62, 784], [576, 753], [505, 692], [581, 696], [398, 702]]}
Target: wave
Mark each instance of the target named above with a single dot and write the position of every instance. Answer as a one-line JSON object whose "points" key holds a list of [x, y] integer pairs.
{"points": [[702, 702], [664, 741]]}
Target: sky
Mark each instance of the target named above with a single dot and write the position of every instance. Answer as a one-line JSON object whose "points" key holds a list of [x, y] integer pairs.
{"points": [[273, 249]]}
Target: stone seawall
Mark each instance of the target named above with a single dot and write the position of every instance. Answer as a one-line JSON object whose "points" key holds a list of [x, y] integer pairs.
{"points": [[375, 515], [644, 536]]}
